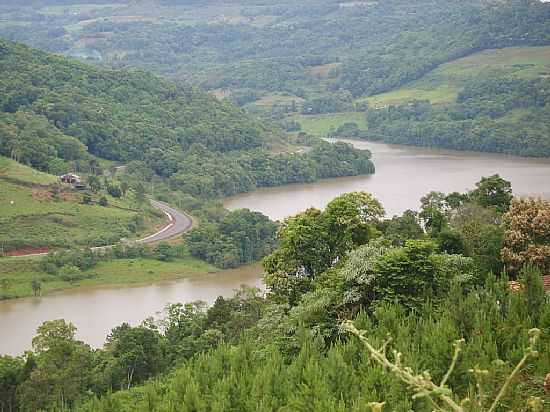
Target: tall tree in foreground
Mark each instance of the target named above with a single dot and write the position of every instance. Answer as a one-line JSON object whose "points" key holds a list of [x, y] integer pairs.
{"points": [[63, 369]]}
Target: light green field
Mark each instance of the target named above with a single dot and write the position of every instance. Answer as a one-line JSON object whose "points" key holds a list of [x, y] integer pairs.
{"points": [[17, 274], [271, 99], [31, 216], [13, 170], [322, 124], [443, 84]]}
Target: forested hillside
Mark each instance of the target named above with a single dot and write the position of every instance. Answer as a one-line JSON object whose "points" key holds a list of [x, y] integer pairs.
{"points": [[497, 114], [307, 49], [117, 115], [56, 114], [290, 62]]}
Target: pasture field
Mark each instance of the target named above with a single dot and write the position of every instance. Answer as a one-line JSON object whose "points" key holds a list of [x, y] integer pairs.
{"points": [[269, 100], [442, 85], [14, 170], [33, 216], [322, 124], [18, 273], [323, 71]]}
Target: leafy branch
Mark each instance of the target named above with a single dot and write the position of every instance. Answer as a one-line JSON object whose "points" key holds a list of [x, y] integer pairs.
{"points": [[441, 396]]}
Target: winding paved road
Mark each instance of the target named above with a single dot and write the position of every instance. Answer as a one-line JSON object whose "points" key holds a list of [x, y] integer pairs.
{"points": [[178, 223]]}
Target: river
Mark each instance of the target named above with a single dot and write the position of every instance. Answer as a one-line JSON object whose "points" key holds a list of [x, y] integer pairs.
{"points": [[95, 311], [403, 175]]}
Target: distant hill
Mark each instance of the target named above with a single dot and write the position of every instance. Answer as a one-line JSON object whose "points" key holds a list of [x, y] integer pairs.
{"points": [[55, 108], [493, 101]]}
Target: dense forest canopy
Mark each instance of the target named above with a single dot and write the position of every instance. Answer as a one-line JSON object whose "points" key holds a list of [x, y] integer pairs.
{"points": [[119, 115], [318, 56], [57, 114]]}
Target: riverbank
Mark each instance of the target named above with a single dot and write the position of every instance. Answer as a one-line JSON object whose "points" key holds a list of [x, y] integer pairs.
{"points": [[19, 274], [403, 175], [128, 293]]}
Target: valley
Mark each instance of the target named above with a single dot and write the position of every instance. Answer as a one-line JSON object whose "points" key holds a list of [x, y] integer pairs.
{"points": [[252, 205]]}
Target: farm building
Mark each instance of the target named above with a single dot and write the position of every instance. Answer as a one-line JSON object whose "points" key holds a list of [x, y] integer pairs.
{"points": [[70, 178]]}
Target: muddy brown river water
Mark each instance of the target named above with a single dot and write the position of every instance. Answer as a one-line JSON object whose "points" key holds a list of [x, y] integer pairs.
{"points": [[403, 175]]}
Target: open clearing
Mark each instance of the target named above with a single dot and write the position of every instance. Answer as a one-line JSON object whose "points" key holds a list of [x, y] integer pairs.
{"points": [[442, 85], [32, 216], [17, 274], [322, 124], [269, 100], [13, 170]]}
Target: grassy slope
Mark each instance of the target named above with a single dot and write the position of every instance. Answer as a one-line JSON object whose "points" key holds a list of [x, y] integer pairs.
{"points": [[11, 169], [321, 124], [443, 84], [123, 272], [35, 219]]}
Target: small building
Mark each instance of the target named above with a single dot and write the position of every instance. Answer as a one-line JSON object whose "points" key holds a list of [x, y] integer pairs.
{"points": [[70, 178]]}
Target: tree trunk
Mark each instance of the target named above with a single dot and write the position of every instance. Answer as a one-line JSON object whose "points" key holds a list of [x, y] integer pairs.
{"points": [[129, 377]]}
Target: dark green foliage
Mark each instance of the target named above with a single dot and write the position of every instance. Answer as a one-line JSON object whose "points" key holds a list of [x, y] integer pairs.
{"points": [[286, 351], [400, 228], [239, 237], [274, 46], [118, 115], [114, 190], [11, 376], [340, 377], [348, 130], [491, 115], [408, 274], [137, 354], [164, 251], [493, 191], [451, 241], [103, 201], [61, 369], [86, 199]]}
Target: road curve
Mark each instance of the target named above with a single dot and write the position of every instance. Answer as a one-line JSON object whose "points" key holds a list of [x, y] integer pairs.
{"points": [[178, 223]]}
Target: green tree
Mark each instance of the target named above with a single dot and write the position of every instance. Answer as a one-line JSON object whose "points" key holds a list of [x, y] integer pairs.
{"points": [[63, 369], [140, 192], [164, 251], [87, 199], [11, 376], [493, 191], [124, 186], [433, 209], [137, 352], [408, 274], [103, 201], [114, 190], [95, 183], [36, 286]]}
